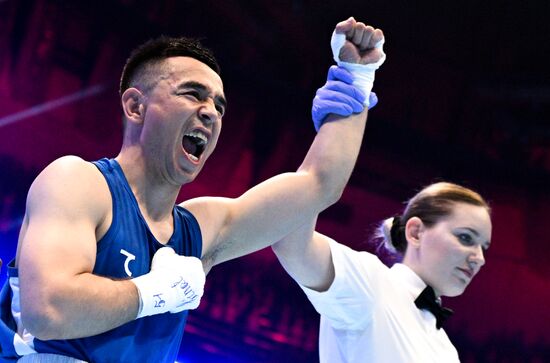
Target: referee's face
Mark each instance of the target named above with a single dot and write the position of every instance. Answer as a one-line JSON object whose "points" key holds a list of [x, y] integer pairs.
{"points": [[452, 250]]}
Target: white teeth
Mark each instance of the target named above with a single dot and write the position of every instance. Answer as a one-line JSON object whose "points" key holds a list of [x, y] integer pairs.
{"points": [[198, 134], [193, 157]]}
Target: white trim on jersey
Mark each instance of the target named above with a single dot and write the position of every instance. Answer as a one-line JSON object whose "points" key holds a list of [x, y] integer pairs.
{"points": [[23, 341]]}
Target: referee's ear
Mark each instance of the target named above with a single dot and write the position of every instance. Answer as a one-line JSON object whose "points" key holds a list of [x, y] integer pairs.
{"points": [[413, 232]]}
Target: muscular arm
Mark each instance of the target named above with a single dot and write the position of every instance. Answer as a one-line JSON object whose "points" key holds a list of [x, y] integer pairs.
{"points": [[267, 212], [304, 253], [60, 297]]}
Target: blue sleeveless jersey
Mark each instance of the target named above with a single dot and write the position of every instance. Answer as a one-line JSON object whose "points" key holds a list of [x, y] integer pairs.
{"points": [[124, 252]]}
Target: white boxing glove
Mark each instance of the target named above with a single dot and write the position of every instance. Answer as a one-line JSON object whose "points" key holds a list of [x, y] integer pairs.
{"points": [[175, 283]]}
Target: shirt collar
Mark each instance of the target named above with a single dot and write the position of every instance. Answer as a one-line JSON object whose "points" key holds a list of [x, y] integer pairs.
{"points": [[410, 280]]}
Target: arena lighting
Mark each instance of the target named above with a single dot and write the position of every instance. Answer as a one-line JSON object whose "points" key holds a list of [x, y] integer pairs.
{"points": [[51, 105], [9, 224]]}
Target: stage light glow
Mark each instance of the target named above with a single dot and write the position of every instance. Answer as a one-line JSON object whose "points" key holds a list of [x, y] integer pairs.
{"points": [[51, 105]]}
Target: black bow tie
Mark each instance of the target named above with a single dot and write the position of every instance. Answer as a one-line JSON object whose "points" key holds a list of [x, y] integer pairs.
{"points": [[427, 301]]}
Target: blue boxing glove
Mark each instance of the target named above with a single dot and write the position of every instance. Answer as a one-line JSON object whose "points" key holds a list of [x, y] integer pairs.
{"points": [[338, 96]]}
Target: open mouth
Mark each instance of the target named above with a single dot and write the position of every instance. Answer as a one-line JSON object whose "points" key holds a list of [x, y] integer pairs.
{"points": [[194, 144]]}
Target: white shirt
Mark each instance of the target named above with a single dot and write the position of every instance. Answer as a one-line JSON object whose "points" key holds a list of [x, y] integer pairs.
{"points": [[368, 314]]}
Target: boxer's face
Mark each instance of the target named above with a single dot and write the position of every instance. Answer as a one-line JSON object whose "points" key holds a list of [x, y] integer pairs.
{"points": [[182, 118]]}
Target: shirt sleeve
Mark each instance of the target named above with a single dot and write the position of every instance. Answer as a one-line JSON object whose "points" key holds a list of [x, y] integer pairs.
{"points": [[348, 302]]}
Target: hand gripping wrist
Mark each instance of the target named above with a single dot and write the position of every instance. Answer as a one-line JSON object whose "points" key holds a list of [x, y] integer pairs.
{"points": [[363, 74], [175, 283], [339, 96]]}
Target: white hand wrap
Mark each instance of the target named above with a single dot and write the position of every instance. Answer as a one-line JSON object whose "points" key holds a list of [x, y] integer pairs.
{"points": [[363, 74], [175, 283]]}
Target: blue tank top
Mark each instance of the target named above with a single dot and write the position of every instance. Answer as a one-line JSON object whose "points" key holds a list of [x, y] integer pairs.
{"points": [[125, 251]]}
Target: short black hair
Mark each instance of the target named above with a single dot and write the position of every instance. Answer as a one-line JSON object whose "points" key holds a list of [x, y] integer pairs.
{"points": [[160, 48]]}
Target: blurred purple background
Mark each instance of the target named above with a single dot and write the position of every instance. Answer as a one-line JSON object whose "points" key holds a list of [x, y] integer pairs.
{"points": [[464, 96]]}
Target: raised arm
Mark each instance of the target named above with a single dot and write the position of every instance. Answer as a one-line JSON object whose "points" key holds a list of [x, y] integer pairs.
{"points": [[267, 212], [306, 257], [304, 253]]}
